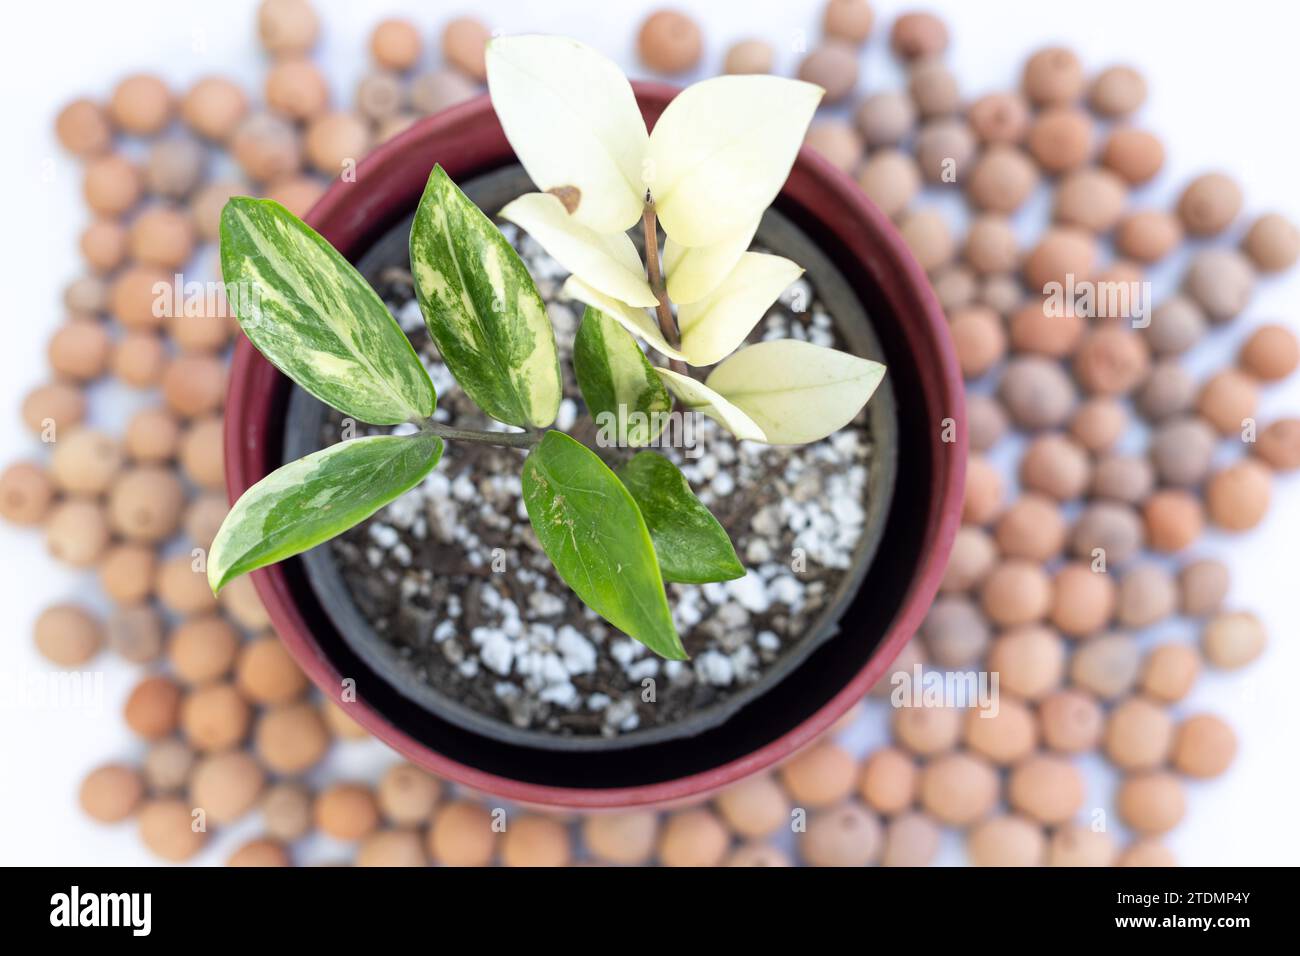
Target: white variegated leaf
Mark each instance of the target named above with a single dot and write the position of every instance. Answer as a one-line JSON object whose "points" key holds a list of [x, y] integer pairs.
{"points": [[698, 397], [572, 119], [637, 321], [695, 271], [795, 391], [721, 151], [608, 262], [715, 326]]}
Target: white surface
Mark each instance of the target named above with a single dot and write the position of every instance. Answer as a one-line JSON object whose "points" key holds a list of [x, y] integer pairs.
{"points": [[1222, 79]]}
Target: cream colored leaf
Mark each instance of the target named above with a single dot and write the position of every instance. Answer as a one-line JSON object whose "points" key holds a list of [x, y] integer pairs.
{"points": [[698, 397], [695, 271], [715, 326], [722, 150], [570, 115], [795, 391], [608, 262], [637, 321]]}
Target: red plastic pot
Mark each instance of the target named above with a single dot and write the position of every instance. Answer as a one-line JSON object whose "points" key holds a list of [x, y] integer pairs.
{"points": [[467, 140]]}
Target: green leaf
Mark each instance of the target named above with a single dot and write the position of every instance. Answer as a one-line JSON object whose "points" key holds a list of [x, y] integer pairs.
{"points": [[622, 391], [315, 498], [312, 314], [691, 545], [593, 532], [483, 309]]}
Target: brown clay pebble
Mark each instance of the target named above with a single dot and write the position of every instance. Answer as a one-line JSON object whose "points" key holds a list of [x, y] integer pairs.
{"points": [[380, 96], [986, 421], [1053, 77], [239, 598], [286, 811], [194, 385], [1060, 138], [207, 203], [407, 795], [1151, 802], [758, 854], [1091, 198], [889, 781], [834, 67], [86, 295], [1117, 91], [918, 34], [1001, 179], [1134, 154], [291, 738], [1148, 235], [991, 245], [1203, 584], [1112, 361], [1237, 497], [886, 118], [999, 118], [1233, 639], [973, 556], [927, 731], [296, 89], [1107, 666], [1146, 853], [891, 179], [1139, 735], [1063, 252], [336, 141], [955, 286], [174, 168], [226, 785], [958, 789], [622, 839], [954, 631], [1271, 353], [435, 91], [170, 831], [1169, 390], [1177, 324], [85, 462], [183, 589], [981, 343], [1204, 746], [83, 128], [152, 436], [837, 141], [847, 835], [262, 852], [693, 838], [911, 839], [1016, 592], [1098, 424], [340, 723], [135, 634], [111, 793], [1182, 450], [201, 453], [80, 350], [395, 44], [26, 492], [68, 635], [162, 236], [462, 835], [819, 776], [1078, 845], [1126, 478], [1209, 204], [1227, 400], [670, 42], [215, 717], [1006, 840], [1083, 600], [1221, 281], [1032, 527], [849, 20], [152, 710], [535, 841], [1055, 465], [1174, 518], [266, 674], [933, 88], [346, 811], [1272, 242], [203, 649], [748, 56], [1278, 445], [1071, 721], [103, 244], [1148, 594], [1046, 788], [132, 299], [296, 193], [267, 147], [754, 808], [983, 499], [464, 46], [392, 848], [77, 532], [1005, 734], [139, 359], [287, 27], [1029, 660], [112, 184], [141, 104], [213, 107], [167, 765]]}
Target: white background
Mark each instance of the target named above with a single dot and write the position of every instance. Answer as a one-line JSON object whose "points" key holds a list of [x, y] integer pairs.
{"points": [[1223, 83]]}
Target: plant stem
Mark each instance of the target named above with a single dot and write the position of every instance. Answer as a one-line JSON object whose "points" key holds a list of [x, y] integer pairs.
{"points": [[507, 439], [667, 324]]}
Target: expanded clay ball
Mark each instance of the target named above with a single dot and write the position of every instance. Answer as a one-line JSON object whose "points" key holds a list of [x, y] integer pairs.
{"points": [[392, 848], [346, 811], [837, 141], [847, 835], [103, 244], [1091, 198], [834, 67], [336, 139], [380, 96], [748, 56], [194, 385], [266, 147], [85, 462], [986, 422], [954, 631], [999, 118], [1209, 204], [462, 835], [1053, 77], [886, 118], [395, 44], [983, 499], [464, 46], [1278, 445], [1117, 91], [928, 237], [239, 598], [693, 837], [1271, 353], [111, 184], [621, 839], [174, 168], [79, 350], [183, 589], [1272, 242], [141, 104], [138, 359], [1112, 360], [1146, 853], [1148, 235], [26, 492], [955, 286], [1001, 179], [933, 88], [536, 840], [201, 453], [1083, 600], [287, 27], [1029, 660], [911, 839], [1032, 527], [1237, 496], [755, 807], [944, 147], [152, 435], [1139, 735], [1169, 390], [959, 789], [135, 634], [340, 723], [203, 649], [1174, 518], [407, 795], [1107, 666], [1055, 465], [263, 852], [927, 731], [1046, 788], [226, 785], [167, 765], [991, 245], [918, 34], [1147, 595], [758, 854], [77, 532], [1126, 478], [162, 236], [891, 179], [1221, 281], [1227, 400], [1203, 584], [979, 337], [1003, 735], [291, 738], [152, 709], [167, 830], [215, 717], [849, 20], [1182, 450], [1063, 251], [1151, 802], [296, 193], [1060, 138], [1071, 721], [213, 107], [48, 408], [1134, 154], [1099, 423], [889, 780], [670, 42], [1078, 845], [1204, 746], [820, 775], [68, 635], [434, 92], [296, 88], [83, 128], [266, 674], [973, 555], [286, 810], [86, 295], [1006, 840], [132, 299], [1233, 639]]}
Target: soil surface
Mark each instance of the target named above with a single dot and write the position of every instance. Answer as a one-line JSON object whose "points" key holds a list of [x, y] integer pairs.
{"points": [[452, 576]]}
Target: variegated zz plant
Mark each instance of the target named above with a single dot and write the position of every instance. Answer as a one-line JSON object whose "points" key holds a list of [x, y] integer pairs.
{"points": [[716, 159]]}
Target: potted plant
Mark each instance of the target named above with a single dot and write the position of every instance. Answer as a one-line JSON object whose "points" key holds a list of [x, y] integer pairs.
{"points": [[615, 519]]}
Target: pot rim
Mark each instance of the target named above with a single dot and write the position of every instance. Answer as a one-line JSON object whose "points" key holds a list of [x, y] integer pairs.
{"points": [[858, 223]]}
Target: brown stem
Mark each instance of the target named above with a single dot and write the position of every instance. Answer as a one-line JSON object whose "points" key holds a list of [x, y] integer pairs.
{"points": [[667, 324]]}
